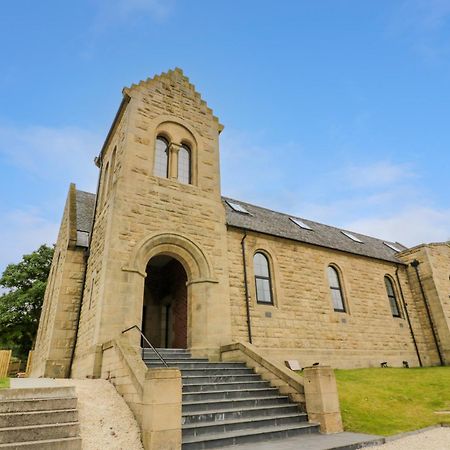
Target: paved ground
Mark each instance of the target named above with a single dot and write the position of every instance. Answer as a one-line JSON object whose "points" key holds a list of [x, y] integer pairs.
{"points": [[314, 442], [431, 439]]}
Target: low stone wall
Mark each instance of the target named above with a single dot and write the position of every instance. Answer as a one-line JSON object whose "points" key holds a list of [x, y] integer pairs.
{"points": [[154, 395], [279, 376]]}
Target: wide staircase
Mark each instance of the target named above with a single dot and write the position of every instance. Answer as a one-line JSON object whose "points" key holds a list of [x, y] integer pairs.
{"points": [[39, 418], [226, 403]]}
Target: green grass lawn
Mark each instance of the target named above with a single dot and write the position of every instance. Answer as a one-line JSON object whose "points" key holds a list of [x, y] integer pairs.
{"points": [[4, 383], [390, 401]]}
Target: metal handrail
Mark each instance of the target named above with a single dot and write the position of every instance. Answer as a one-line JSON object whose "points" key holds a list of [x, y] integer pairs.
{"points": [[148, 342]]}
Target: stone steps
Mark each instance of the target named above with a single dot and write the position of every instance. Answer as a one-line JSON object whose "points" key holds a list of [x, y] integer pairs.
{"points": [[239, 413], [39, 418], [71, 443], [227, 403]]}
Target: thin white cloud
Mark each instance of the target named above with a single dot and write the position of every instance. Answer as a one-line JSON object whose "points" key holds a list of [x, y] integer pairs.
{"points": [[411, 226], [110, 12], [378, 174], [52, 153]]}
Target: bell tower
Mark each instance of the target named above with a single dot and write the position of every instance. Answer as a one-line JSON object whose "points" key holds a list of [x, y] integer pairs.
{"points": [[158, 202]]}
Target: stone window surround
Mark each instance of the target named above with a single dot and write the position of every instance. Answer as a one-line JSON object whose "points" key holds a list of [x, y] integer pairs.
{"points": [[177, 136], [396, 295], [269, 278], [343, 289]]}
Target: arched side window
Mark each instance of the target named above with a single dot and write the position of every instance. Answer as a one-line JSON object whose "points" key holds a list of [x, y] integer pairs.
{"points": [[161, 168], [262, 279], [184, 164], [336, 289], [391, 296]]}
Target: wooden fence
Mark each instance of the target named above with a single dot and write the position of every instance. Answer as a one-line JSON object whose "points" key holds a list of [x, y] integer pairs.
{"points": [[5, 357]]}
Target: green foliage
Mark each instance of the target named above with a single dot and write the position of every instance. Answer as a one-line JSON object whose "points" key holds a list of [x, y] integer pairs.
{"points": [[4, 383], [391, 401], [20, 306]]}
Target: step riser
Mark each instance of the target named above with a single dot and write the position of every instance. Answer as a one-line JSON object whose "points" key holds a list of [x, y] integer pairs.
{"points": [[201, 365], [40, 405], [212, 372], [39, 433], [263, 437], [153, 362], [250, 403], [241, 414], [56, 444], [37, 418], [176, 356], [228, 395], [225, 386], [268, 422], [220, 379]]}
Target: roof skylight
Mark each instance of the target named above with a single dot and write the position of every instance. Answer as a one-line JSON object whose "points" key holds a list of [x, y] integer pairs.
{"points": [[392, 246], [300, 223], [352, 237], [238, 208]]}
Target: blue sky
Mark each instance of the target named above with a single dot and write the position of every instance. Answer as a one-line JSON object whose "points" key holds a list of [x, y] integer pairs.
{"points": [[336, 111]]}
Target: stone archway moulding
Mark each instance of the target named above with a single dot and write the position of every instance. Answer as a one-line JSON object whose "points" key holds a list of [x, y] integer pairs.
{"points": [[192, 258]]}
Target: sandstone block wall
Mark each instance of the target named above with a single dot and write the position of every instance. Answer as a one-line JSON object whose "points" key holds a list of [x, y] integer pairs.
{"points": [[302, 324], [57, 325], [434, 273]]}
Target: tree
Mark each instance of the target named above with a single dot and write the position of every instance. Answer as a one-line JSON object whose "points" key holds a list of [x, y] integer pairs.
{"points": [[20, 306]]}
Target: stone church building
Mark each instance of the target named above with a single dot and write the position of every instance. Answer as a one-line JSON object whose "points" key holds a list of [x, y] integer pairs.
{"points": [[158, 247]]}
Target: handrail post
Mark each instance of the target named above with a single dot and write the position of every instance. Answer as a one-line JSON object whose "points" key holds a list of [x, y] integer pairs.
{"points": [[148, 342]]}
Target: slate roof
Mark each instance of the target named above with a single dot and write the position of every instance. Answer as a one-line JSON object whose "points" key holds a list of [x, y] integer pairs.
{"points": [[85, 204], [273, 223], [277, 224]]}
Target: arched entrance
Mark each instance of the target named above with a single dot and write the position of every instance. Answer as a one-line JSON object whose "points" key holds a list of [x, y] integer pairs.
{"points": [[164, 317]]}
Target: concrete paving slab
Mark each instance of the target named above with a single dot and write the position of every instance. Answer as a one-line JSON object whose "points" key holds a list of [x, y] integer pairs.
{"points": [[347, 441]]}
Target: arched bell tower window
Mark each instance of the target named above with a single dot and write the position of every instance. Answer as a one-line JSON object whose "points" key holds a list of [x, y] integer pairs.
{"points": [[161, 168], [262, 279], [184, 164]]}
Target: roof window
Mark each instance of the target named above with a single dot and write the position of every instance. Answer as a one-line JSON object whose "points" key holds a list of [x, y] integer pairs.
{"points": [[352, 237], [392, 246], [238, 208], [300, 223]]}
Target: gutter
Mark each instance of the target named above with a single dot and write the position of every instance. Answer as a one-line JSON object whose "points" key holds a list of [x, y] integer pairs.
{"points": [[247, 300]]}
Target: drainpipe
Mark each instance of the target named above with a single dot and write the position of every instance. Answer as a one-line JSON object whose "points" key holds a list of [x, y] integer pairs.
{"points": [[87, 252], [405, 307], [247, 300], [415, 264]]}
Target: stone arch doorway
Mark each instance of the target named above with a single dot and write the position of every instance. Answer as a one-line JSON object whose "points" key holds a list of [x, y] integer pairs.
{"points": [[165, 306]]}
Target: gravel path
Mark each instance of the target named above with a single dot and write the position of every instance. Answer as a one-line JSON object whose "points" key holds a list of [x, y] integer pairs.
{"points": [[435, 439], [105, 419]]}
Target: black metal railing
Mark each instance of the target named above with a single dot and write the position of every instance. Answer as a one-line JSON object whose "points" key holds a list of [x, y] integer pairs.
{"points": [[145, 340]]}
